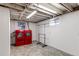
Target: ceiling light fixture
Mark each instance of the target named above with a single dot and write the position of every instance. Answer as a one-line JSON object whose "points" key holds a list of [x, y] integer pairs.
{"points": [[34, 12]]}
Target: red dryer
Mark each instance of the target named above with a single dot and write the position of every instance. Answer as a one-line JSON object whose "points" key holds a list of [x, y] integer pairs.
{"points": [[28, 36]]}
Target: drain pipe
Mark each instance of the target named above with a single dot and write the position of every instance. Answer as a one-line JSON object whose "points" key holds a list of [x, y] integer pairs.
{"points": [[28, 25]]}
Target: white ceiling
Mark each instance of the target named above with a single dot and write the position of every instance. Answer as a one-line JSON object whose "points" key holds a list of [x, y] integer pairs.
{"points": [[41, 13]]}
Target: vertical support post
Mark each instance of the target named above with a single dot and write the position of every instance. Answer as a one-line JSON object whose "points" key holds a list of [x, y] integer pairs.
{"points": [[44, 33], [44, 38], [38, 37]]}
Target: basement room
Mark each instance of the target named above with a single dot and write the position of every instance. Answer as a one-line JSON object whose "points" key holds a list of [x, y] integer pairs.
{"points": [[40, 29]]}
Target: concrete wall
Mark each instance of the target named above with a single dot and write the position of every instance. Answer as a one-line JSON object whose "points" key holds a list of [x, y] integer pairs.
{"points": [[14, 26], [64, 36], [4, 31]]}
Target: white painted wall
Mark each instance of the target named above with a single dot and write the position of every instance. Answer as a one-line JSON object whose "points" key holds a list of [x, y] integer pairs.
{"points": [[14, 26], [34, 32], [4, 31], [64, 36]]}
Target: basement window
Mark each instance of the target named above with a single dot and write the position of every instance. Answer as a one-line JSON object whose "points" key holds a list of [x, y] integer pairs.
{"points": [[21, 25], [54, 21]]}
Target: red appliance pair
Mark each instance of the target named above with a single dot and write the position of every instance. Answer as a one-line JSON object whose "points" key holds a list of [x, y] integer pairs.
{"points": [[23, 37]]}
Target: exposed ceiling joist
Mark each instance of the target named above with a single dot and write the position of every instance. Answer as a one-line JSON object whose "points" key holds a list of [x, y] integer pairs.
{"points": [[76, 8], [66, 7], [55, 5], [52, 8], [44, 10], [31, 8], [40, 10], [43, 15], [24, 9], [40, 13], [20, 4], [22, 20], [12, 6]]}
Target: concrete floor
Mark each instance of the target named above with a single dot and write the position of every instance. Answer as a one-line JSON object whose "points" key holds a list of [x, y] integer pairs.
{"points": [[35, 50]]}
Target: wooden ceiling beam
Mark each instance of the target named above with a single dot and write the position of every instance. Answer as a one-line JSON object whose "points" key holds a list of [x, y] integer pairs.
{"points": [[76, 8], [22, 20], [66, 7], [12, 6]]}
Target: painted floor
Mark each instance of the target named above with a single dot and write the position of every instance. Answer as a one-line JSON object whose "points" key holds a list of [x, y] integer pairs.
{"points": [[35, 50]]}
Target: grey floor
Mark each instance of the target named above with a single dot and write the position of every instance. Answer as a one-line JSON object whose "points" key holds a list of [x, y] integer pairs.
{"points": [[35, 50]]}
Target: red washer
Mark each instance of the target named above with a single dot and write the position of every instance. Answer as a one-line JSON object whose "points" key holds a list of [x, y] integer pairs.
{"points": [[19, 38]]}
